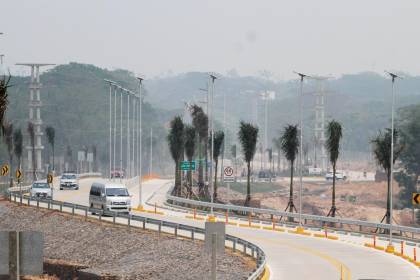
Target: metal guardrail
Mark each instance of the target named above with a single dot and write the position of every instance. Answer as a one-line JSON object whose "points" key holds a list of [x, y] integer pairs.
{"points": [[294, 215], [248, 248]]}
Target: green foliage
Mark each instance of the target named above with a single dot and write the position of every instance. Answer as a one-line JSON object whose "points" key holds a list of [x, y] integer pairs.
{"points": [[8, 137], [290, 142], [382, 148], [18, 143], [4, 102], [408, 186], [176, 147], [217, 144], [248, 136], [189, 141], [50, 133], [334, 135]]}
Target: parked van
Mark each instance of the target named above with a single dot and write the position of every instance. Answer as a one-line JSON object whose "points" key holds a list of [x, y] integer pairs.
{"points": [[110, 197]]}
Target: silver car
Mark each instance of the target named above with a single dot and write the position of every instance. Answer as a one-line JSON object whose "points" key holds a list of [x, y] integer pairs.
{"points": [[41, 190]]}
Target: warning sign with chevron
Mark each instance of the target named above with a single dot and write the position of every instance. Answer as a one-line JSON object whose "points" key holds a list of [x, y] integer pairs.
{"points": [[5, 170], [416, 198]]}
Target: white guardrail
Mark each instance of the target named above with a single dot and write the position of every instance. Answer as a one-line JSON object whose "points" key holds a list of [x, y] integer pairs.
{"points": [[278, 213], [248, 248]]}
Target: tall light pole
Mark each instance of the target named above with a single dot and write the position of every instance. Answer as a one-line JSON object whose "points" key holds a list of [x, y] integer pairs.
{"points": [[111, 83], [390, 247], [212, 78], [151, 152], [121, 130], [128, 170], [115, 127], [301, 77], [140, 134]]}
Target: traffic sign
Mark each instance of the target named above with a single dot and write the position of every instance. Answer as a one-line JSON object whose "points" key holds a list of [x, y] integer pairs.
{"points": [[18, 174], [187, 165], [416, 198], [5, 170], [50, 178], [229, 177]]}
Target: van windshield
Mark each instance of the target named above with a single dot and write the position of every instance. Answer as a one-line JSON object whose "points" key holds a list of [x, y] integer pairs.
{"points": [[68, 176], [40, 186], [116, 192]]}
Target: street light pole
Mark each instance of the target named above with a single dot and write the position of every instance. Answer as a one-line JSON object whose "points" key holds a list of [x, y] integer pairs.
{"points": [[128, 137], [302, 76], [121, 131], [212, 78], [140, 206], [390, 247], [110, 126], [115, 127]]}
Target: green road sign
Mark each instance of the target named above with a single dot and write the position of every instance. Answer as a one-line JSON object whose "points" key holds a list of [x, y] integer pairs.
{"points": [[187, 165]]}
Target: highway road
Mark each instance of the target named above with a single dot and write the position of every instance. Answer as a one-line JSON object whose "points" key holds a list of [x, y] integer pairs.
{"points": [[289, 256]]}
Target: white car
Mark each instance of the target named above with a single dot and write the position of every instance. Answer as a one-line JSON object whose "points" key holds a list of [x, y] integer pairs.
{"points": [[339, 175], [69, 181], [41, 190], [110, 197]]}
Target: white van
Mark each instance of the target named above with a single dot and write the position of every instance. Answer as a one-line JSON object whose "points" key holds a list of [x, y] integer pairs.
{"points": [[110, 197]]}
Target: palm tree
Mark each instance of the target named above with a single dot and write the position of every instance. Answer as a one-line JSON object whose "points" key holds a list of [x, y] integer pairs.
{"points": [[94, 155], [8, 139], [69, 158], [217, 148], [277, 145], [18, 146], [189, 146], [248, 136], [334, 134], [201, 124], [4, 102], [50, 132], [290, 148], [382, 153], [31, 132], [176, 147], [270, 159]]}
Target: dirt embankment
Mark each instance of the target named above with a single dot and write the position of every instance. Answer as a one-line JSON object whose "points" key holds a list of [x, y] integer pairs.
{"points": [[354, 200], [119, 252]]}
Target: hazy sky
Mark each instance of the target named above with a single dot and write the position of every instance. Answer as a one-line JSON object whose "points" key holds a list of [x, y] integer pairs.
{"points": [[154, 37]]}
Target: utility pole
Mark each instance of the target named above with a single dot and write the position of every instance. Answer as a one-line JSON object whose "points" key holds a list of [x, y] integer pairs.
{"points": [[301, 76], [151, 152], [390, 247], [111, 83], [212, 78], [139, 150], [35, 105]]}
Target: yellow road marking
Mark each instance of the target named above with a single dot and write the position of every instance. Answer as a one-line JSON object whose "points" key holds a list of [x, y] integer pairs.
{"points": [[341, 267]]}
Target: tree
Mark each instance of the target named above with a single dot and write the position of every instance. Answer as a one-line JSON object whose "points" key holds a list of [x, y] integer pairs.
{"points": [[176, 147], [31, 132], [94, 155], [69, 157], [8, 139], [201, 124], [50, 132], [334, 134], [270, 159], [189, 146], [4, 102], [277, 145], [382, 153], [290, 148], [18, 146], [248, 136], [219, 136], [409, 128]]}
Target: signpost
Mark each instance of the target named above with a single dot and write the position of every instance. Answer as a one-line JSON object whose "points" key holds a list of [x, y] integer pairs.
{"points": [[5, 170], [229, 177]]}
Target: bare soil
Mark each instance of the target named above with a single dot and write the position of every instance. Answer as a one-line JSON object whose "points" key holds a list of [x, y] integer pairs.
{"points": [[126, 253]]}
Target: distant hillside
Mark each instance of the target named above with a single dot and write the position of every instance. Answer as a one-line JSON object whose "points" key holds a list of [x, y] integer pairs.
{"points": [[76, 104]]}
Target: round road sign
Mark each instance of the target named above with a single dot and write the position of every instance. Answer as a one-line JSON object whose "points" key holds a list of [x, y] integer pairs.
{"points": [[228, 171]]}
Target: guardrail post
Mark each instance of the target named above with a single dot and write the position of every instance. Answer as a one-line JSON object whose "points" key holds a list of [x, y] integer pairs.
{"points": [[100, 216], [402, 248], [160, 227], [234, 245], [86, 210], [37, 203], [61, 207], [15, 197], [144, 223], [244, 247], [176, 231], [29, 201], [249, 218], [49, 206], [252, 251], [72, 209], [20, 201], [192, 234], [360, 228], [129, 220], [113, 218]]}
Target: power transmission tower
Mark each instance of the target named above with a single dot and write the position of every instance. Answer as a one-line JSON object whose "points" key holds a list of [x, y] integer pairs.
{"points": [[35, 105]]}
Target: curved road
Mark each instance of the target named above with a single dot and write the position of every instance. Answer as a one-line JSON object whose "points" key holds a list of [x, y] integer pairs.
{"points": [[289, 256]]}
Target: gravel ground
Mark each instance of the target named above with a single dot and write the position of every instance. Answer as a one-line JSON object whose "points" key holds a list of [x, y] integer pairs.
{"points": [[129, 254]]}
